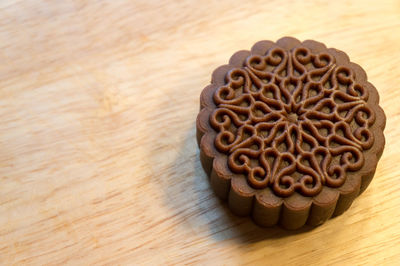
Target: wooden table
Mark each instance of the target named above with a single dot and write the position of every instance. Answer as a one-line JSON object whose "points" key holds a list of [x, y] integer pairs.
{"points": [[98, 158]]}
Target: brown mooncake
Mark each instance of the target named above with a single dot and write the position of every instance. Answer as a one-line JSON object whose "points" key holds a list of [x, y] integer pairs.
{"points": [[290, 132]]}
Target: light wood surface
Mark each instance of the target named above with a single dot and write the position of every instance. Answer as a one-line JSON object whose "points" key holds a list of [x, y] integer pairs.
{"points": [[98, 158]]}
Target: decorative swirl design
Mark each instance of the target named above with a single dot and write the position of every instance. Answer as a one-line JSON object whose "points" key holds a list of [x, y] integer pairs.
{"points": [[293, 121]]}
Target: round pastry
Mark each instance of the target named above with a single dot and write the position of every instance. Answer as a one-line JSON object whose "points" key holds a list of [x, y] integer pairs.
{"points": [[290, 132]]}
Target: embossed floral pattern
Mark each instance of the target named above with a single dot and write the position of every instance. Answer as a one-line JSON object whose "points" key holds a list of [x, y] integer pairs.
{"points": [[293, 121]]}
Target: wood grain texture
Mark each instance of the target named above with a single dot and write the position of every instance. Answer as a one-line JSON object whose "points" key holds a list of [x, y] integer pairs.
{"points": [[98, 157]]}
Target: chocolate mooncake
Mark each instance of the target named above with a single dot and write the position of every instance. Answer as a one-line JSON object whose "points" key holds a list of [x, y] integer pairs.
{"points": [[290, 132]]}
